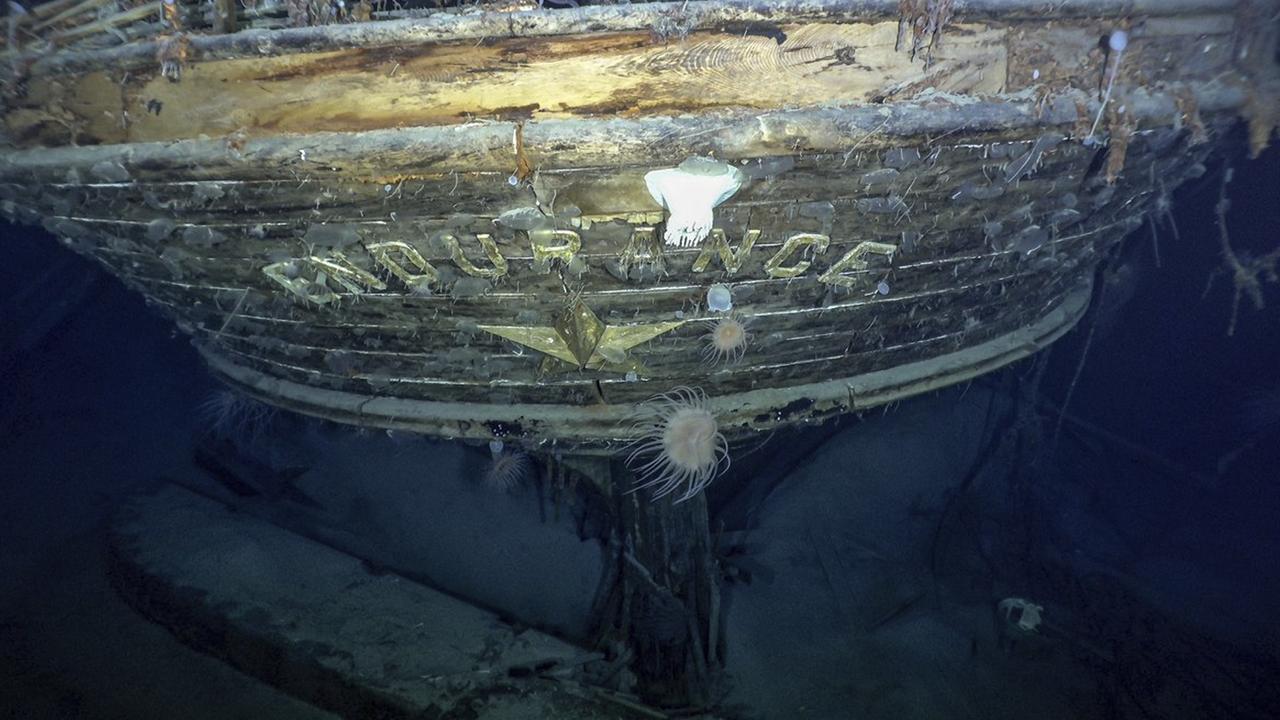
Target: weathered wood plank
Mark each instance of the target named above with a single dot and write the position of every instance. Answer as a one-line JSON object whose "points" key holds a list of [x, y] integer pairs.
{"points": [[597, 194], [619, 75], [552, 144], [820, 329], [528, 288], [779, 358], [579, 417], [684, 17]]}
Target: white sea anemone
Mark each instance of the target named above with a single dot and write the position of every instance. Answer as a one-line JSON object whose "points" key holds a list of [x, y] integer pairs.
{"points": [[508, 467], [726, 340], [230, 415], [682, 447]]}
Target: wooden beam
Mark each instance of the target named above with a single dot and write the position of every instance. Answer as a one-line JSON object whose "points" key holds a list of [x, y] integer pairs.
{"points": [[670, 582], [224, 16], [617, 74], [698, 15], [487, 147], [71, 12], [101, 25]]}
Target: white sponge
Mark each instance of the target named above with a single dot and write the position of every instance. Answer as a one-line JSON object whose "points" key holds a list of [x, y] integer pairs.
{"points": [[689, 193]]}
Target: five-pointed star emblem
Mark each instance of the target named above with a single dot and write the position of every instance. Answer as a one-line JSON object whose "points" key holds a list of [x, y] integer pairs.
{"points": [[582, 340]]}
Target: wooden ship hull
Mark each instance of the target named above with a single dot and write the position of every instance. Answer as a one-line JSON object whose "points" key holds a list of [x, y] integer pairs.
{"points": [[442, 224], [520, 223]]}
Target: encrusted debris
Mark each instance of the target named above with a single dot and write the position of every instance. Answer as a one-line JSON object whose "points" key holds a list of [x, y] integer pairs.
{"points": [[924, 20]]}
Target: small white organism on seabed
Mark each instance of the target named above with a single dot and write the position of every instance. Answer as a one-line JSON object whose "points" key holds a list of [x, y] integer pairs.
{"points": [[726, 340], [689, 193], [719, 298], [682, 447]]}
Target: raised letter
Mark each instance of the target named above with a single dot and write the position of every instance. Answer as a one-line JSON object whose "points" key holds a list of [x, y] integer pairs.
{"points": [[719, 245], [490, 249], [773, 266], [426, 276], [642, 248], [548, 245], [289, 275], [852, 260]]}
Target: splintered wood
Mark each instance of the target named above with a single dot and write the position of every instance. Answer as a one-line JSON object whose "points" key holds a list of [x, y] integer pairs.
{"points": [[614, 74], [924, 21]]}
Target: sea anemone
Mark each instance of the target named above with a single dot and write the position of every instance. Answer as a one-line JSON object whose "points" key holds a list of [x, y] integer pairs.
{"points": [[682, 447], [230, 415], [726, 340], [508, 467]]}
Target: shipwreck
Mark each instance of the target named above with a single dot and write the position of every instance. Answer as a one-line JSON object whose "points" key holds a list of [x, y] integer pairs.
{"points": [[520, 223]]}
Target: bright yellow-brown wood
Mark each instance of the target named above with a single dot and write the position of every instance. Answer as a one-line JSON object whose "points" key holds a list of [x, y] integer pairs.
{"points": [[619, 74]]}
